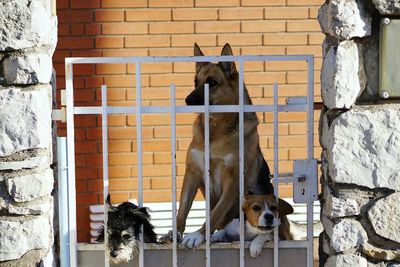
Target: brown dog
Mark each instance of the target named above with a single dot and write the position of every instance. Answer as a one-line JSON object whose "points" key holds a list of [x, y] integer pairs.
{"points": [[261, 218], [223, 80]]}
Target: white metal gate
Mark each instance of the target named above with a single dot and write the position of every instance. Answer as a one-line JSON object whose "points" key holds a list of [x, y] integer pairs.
{"points": [[304, 177]]}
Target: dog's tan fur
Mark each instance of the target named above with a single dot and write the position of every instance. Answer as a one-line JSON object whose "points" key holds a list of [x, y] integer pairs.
{"points": [[254, 205], [224, 147]]}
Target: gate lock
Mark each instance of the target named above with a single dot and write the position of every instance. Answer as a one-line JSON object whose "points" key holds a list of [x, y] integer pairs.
{"points": [[305, 182]]}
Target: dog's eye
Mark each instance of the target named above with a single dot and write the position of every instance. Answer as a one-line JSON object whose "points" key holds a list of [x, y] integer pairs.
{"points": [[272, 208], [256, 208], [212, 82], [126, 236]]}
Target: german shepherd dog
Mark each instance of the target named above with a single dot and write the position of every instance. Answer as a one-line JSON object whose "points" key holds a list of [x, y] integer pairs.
{"points": [[223, 80]]}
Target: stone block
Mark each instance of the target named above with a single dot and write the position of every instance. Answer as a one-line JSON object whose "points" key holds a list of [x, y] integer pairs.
{"points": [[340, 76], [346, 234], [384, 216], [388, 7], [28, 68], [363, 147], [380, 253], [31, 26], [24, 163], [346, 260], [29, 186], [25, 119], [335, 207], [345, 19], [18, 237]]}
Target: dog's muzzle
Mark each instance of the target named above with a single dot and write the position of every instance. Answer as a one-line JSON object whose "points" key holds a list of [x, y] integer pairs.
{"points": [[268, 222], [269, 219], [194, 100], [114, 253]]}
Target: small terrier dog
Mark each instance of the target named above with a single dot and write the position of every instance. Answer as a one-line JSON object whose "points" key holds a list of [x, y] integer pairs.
{"points": [[260, 220], [123, 229]]}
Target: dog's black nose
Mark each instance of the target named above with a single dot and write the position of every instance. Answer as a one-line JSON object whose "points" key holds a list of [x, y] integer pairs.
{"points": [[113, 253], [269, 218], [191, 100]]}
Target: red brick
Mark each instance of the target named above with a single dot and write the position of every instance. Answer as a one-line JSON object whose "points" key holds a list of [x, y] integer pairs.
{"points": [[70, 16], [217, 26], [81, 186], [263, 2], [171, 27], [119, 146], [286, 13], [213, 3], [62, 4], [63, 30], [110, 69], [83, 69], [84, 198], [305, 2], [171, 3], [194, 14], [109, 42], [123, 3], [86, 4], [94, 160], [148, 14], [85, 121], [147, 41], [264, 26], [75, 43], [125, 28], [241, 39], [92, 29], [109, 15], [86, 147], [85, 173], [242, 13]]}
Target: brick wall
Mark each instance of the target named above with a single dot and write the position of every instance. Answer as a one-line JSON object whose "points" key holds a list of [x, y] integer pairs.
{"points": [[169, 28]]}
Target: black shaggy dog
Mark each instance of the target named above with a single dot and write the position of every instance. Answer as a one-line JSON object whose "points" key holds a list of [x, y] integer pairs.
{"points": [[123, 229]]}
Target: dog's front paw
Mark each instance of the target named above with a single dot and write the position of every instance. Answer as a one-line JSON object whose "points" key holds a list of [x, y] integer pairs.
{"points": [[256, 247], [219, 236], [192, 240], [169, 237]]}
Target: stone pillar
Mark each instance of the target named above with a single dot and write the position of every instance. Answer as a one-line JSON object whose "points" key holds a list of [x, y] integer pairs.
{"points": [[28, 38], [360, 136]]}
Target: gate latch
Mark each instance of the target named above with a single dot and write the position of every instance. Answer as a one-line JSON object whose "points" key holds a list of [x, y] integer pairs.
{"points": [[305, 182]]}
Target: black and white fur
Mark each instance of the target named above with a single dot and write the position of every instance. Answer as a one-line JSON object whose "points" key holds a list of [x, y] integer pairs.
{"points": [[123, 230]]}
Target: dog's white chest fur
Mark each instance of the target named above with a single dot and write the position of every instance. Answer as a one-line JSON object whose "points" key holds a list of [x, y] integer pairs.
{"points": [[222, 160], [232, 230]]}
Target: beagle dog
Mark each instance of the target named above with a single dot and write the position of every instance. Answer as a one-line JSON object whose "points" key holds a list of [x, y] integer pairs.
{"points": [[262, 214]]}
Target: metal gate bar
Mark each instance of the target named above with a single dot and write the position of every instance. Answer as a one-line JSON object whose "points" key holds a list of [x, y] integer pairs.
{"points": [[275, 179], [241, 160], [173, 167], [104, 132], [138, 110], [310, 155]]}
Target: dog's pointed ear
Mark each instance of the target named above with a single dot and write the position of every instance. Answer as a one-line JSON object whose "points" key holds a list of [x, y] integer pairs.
{"points": [[228, 67], [110, 206], [284, 208], [248, 194], [198, 53]]}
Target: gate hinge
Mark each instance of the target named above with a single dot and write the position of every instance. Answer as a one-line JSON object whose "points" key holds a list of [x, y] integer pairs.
{"points": [[60, 114]]}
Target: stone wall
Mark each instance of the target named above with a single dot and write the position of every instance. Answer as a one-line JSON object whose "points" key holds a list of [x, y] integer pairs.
{"points": [[28, 37], [360, 136]]}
